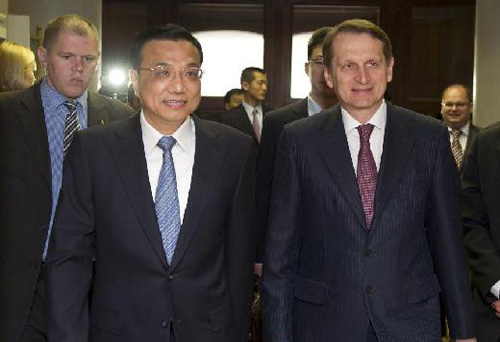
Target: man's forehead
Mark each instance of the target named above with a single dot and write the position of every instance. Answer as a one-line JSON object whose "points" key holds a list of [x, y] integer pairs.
{"points": [[67, 40], [165, 52]]}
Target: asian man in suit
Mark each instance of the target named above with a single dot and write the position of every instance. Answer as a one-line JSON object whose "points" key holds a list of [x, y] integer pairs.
{"points": [[36, 126], [364, 225], [164, 203], [249, 116], [320, 97]]}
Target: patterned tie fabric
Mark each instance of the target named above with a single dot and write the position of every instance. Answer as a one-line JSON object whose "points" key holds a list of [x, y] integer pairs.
{"points": [[367, 172], [255, 123], [456, 148], [71, 124], [166, 200]]}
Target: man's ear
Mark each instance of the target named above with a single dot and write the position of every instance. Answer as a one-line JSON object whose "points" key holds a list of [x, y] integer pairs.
{"points": [[245, 86], [134, 79], [328, 77], [41, 53]]}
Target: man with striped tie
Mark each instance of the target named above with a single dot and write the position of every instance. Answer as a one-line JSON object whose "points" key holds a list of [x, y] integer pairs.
{"points": [[456, 110], [36, 129]]}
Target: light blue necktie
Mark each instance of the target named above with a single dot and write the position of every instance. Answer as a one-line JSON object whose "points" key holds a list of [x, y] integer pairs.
{"points": [[166, 200]]}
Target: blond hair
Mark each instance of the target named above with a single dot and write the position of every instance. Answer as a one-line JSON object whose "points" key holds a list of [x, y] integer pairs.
{"points": [[72, 23], [15, 61]]}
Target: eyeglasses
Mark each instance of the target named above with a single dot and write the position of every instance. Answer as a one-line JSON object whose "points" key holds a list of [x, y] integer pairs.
{"points": [[161, 72], [317, 62], [451, 104]]}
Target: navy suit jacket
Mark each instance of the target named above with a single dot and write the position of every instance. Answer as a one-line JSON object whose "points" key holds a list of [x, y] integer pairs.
{"points": [[326, 276], [238, 118], [107, 212], [26, 197], [274, 122], [481, 218]]}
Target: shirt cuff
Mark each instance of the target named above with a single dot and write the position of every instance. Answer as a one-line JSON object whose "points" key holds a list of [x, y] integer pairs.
{"points": [[495, 289]]}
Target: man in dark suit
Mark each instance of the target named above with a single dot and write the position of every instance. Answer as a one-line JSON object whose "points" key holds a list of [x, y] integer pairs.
{"points": [[249, 116], [33, 124], [164, 202], [456, 110], [481, 218], [320, 97], [364, 226]]}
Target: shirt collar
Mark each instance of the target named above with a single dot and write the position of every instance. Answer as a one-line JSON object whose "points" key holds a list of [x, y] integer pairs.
{"points": [[379, 119], [312, 106], [183, 135], [465, 129], [249, 109], [53, 99]]}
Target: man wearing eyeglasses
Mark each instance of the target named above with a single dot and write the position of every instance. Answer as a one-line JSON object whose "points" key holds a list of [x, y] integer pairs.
{"points": [[456, 110], [164, 203], [320, 97]]}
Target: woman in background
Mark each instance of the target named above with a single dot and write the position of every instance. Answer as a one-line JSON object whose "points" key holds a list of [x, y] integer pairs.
{"points": [[17, 67]]}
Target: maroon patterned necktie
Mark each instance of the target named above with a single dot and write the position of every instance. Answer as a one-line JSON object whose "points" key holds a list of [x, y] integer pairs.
{"points": [[367, 172]]}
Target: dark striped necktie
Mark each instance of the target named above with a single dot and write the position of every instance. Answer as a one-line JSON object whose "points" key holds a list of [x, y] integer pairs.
{"points": [[71, 124]]}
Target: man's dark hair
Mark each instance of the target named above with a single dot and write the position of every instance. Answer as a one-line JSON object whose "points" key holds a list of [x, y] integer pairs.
{"points": [[247, 74], [356, 26], [227, 97], [171, 32], [316, 39]]}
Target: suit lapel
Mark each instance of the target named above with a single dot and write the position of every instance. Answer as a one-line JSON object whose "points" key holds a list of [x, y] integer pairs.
{"points": [[398, 142], [96, 111], [33, 122], [332, 146], [207, 163], [128, 151]]}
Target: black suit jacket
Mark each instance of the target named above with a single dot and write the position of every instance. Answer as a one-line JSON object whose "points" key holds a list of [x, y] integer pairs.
{"points": [[326, 276], [26, 197], [107, 204], [473, 131], [271, 131], [238, 118], [481, 219]]}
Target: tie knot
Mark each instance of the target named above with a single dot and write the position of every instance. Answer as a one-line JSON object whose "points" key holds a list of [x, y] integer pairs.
{"points": [[456, 133], [70, 104], [166, 143], [365, 131], [255, 112]]}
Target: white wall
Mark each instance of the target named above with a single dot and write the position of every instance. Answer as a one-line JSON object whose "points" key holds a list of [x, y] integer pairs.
{"points": [[487, 63]]}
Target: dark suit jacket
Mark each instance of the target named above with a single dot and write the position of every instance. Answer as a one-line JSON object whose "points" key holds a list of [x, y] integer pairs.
{"points": [[271, 131], [326, 276], [473, 131], [26, 199], [238, 118], [481, 218], [107, 203]]}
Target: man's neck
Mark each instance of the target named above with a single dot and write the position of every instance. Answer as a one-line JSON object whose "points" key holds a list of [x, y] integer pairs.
{"points": [[251, 101], [322, 101]]}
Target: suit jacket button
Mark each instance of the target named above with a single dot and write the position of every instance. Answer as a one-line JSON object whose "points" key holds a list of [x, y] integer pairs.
{"points": [[164, 324], [170, 277], [369, 289], [368, 252]]}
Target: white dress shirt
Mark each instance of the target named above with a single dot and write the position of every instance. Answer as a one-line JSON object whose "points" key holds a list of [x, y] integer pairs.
{"points": [[249, 109], [462, 138], [182, 155], [379, 120]]}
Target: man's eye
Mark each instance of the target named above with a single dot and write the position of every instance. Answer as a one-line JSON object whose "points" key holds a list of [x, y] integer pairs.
{"points": [[88, 59], [372, 64], [66, 56], [191, 74], [163, 73]]}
